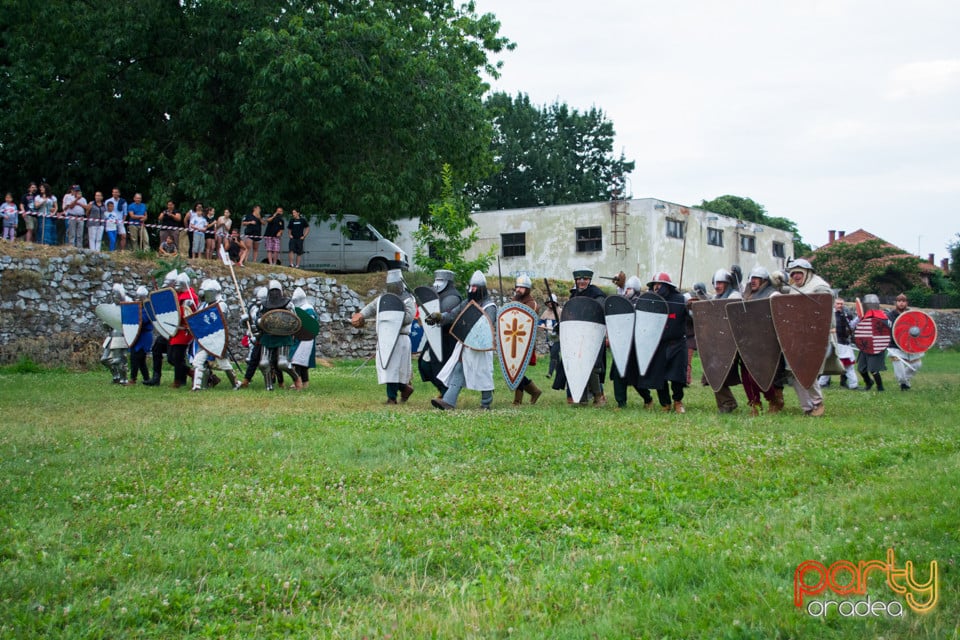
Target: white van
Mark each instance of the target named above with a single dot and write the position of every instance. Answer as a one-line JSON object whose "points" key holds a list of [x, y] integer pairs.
{"points": [[349, 246]]}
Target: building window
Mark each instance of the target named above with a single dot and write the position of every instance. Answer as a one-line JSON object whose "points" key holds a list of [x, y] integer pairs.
{"points": [[715, 237], [748, 244], [778, 251], [589, 239], [674, 228], [514, 244]]}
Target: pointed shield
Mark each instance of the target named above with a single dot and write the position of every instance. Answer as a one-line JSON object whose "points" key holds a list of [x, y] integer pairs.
{"points": [[619, 316], [872, 334], [715, 341], [755, 337], [208, 328], [166, 312], [473, 328], [914, 331], [803, 328], [430, 303], [651, 318], [309, 325], [109, 313], [389, 322], [517, 337], [131, 316], [582, 331]]}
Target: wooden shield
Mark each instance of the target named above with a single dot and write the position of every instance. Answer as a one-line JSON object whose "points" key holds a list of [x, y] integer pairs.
{"points": [[715, 342], [582, 331], [309, 325], [651, 318], [516, 339], [914, 331], [872, 334], [803, 328], [473, 328], [279, 322], [620, 317], [751, 323], [131, 316], [429, 303], [390, 312]]}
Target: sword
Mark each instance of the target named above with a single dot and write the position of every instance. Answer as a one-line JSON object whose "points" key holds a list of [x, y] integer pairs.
{"points": [[500, 276]]}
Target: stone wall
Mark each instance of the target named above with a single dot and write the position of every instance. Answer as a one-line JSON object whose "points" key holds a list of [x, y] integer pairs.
{"points": [[47, 304]]}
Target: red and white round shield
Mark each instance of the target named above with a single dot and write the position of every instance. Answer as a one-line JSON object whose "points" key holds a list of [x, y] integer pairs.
{"points": [[914, 331]]}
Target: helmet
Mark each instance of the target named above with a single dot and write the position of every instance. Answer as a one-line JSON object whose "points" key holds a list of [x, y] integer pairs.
{"points": [[523, 280], [799, 263], [274, 284], [721, 275], [759, 272], [661, 278], [142, 292], [478, 279], [299, 298], [633, 282], [583, 272], [442, 278], [183, 282], [210, 290], [871, 302], [170, 279], [700, 289], [260, 293]]}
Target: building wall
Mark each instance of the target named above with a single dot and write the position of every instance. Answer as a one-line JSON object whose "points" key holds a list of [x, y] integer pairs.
{"points": [[551, 246]]}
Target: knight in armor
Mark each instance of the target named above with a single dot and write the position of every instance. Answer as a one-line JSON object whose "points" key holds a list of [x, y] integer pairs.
{"points": [[160, 342], [725, 288], [804, 281], [844, 323], [871, 364], [276, 347], [761, 287], [204, 361], [303, 353], [253, 332], [114, 356], [523, 293], [397, 373], [430, 363], [144, 343], [467, 367], [583, 286], [180, 341], [549, 320], [699, 293], [667, 372], [905, 364], [631, 378]]}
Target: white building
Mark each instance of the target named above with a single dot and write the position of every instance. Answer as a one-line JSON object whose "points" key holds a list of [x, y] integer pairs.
{"points": [[640, 237]]}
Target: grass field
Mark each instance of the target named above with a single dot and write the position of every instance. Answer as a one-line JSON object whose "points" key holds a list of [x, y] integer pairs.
{"points": [[139, 512]]}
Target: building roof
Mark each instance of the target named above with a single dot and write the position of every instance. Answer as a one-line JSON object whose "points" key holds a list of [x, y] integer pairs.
{"points": [[862, 235]]}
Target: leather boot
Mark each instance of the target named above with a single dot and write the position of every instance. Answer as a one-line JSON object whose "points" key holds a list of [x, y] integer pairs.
{"points": [[518, 397], [756, 408], [534, 392], [776, 405], [879, 381], [678, 407]]}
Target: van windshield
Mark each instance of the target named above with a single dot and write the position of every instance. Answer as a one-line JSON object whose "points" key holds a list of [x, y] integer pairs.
{"points": [[357, 231]]}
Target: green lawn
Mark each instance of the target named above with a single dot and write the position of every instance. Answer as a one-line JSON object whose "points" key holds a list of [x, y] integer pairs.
{"points": [[139, 512]]}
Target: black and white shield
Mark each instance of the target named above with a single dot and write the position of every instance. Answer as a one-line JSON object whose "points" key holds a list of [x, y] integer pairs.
{"points": [[651, 318], [390, 314], [473, 328], [620, 316], [429, 303], [582, 331]]}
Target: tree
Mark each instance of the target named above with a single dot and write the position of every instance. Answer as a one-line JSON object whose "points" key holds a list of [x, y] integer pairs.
{"points": [[954, 273], [333, 107], [447, 233], [867, 267], [750, 211], [548, 156]]}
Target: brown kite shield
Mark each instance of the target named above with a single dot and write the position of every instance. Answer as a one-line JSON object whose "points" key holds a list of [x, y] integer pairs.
{"points": [[752, 325], [715, 342], [803, 327]]}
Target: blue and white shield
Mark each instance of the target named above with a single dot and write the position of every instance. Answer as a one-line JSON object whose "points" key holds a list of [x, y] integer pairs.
{"points": [[209, 330], [131, 316], [418, 339], [166, 312]]}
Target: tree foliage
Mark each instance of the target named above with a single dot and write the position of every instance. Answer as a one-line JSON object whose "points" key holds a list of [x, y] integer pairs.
{"points": [[447, 233], [867, 267], [750, 211], [549, 156], [335, 107], [954, 273]]}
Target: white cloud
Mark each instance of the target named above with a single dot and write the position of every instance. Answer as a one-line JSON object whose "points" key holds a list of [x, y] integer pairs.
{"points": [[923, 79]]}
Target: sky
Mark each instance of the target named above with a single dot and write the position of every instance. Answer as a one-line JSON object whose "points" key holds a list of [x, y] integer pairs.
{"points": [[839, 114]]}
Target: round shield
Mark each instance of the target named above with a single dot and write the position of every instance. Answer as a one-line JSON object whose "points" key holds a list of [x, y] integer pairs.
{"points": [[872, 334], [915, 331], [279, 322]]}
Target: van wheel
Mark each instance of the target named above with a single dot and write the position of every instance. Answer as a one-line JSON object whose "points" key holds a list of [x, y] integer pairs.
{"points": [[377, 264]]}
